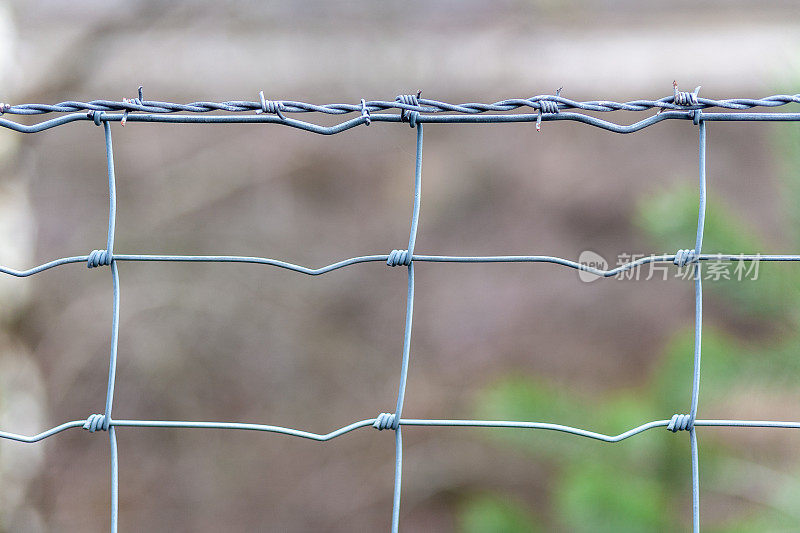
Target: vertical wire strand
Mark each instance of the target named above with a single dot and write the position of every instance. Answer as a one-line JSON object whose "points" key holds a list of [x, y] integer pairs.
{"points": [[112, 371], [698, 330], [112, 365], [398, 463], [112, 188], [112, 437]]}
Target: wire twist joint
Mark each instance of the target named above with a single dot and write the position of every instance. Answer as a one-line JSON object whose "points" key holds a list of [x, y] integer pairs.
{"points": [[96, 116], [99, 258], [680, 423], [271, 106], [409, 115], [683, 97], [386, 421], [399, 257], [684, 257], [97, 422], [365, 112], [547, 106]]}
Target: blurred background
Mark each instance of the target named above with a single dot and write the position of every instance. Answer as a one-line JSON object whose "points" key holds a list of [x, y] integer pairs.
{"points": [[528, 342]]}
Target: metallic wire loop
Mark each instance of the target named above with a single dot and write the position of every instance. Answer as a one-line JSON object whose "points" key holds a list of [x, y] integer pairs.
{"points": [[386, 421], [684, 98], [684, 257], [99, 258], [399, 257], [270, 106], [680, 423], [132, 101], [547, 106], [408, 115], [365, 112], [97, 423]]}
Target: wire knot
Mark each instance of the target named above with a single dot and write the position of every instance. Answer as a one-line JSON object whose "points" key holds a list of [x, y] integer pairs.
{"points": [[386, 421], [684, 257], [97, 423], [365, 112], [97, 116], [134, 101], [684, 98], [547, 106], [680, 423], [4, 107], [399, 257], [408, 115], [99, 258], [271, 106]]}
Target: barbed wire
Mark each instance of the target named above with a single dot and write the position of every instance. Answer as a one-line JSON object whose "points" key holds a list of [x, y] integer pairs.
{"points": [[546, 102], [411, 110]]}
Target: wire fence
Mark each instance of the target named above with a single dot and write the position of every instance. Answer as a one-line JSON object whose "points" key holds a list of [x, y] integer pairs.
{"points": [[414, 111]]}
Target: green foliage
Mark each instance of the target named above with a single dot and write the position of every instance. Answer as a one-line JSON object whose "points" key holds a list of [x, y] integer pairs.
{"points": [[520, 398], [669, 219], [598, 497], [722, 363], [491, 513]]}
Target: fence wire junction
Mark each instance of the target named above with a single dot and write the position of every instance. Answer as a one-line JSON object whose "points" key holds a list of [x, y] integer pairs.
{"points": [[414, 111]]}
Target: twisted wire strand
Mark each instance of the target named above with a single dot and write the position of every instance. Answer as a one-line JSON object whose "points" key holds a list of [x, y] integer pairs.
{"points": [[685, 114], [677, 101], [413, 109]]}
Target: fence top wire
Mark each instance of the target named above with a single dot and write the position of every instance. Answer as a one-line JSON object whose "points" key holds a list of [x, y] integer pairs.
{"points": [[411, 108], [422, 105]]}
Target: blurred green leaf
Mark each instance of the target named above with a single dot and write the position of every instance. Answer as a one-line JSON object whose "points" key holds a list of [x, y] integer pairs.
{"points": [[491, 513], [767, 498], [521, 398], [725, 362], [722, 363], [669, 219], [596, 496]]}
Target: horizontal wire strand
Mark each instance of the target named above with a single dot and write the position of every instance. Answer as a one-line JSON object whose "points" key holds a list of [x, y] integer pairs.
{"points": [[383, 117], [510, 424], [384, 257], [422, 105]]}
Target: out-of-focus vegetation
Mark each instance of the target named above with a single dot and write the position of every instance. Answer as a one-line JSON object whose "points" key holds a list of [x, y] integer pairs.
{"points": [[643, 483]]}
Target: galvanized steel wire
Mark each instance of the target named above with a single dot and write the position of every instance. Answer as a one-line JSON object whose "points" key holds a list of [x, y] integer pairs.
{"points": [[416, 112]]}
